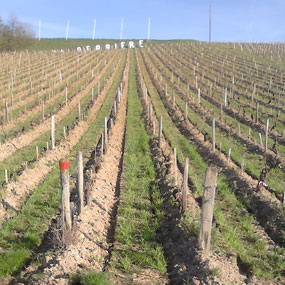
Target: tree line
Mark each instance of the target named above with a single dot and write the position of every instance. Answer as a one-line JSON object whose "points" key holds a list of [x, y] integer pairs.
{"points": [[15, 35]]}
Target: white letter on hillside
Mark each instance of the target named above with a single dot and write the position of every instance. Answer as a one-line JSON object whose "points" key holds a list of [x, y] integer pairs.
{"points": [[107, 46], [140, 43], [79, 49], [131, 44], [97, 47], [122, 44]]}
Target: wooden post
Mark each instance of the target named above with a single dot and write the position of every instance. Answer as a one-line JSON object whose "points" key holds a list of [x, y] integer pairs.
{"points": [[226, 97], [213, 135], [186, 111], [6, 176], [199, 96], [66, 96], [266, 135], [115, 109], [175, 166], [239, 129], [80, 180], [52, 133], [6, 111], [64, 131], [210, 184], [243, 162], [92, 93], [173, 98], [102, 144], [149, 112], [160, 131], [153, 128], [37, 152], [260, 140], [229, 155], [65, 194], [185, 184], [221, 116], [79, 111], [43, 110], [111, 123], [47, 146], [105, 133], [256, 114]]}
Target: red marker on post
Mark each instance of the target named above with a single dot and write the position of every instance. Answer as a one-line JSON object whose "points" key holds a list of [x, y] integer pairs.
{"points": [[65, 193]]}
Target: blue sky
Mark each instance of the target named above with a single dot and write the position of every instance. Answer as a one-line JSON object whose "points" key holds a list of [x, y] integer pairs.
{"points": [[232, 20]]}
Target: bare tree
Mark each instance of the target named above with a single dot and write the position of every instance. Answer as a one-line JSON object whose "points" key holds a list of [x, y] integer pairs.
{"points": [[15, 35]]}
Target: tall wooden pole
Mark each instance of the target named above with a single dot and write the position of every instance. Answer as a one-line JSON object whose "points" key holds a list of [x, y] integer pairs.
{"points": [[185, 184]]}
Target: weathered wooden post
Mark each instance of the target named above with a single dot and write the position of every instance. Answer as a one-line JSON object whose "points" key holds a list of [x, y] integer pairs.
{"points": [[185, 184], [239, 129], [6, 176], [160, 131], [115, 108], [47, 146], [260, 140], [242, 162], [79, 111], [80, 180], [43, 110], [229, 155], [105, 131], [52, 132], [213, 135], [66, 96], [210, 184], [64, 131], [186, 111], [65, 194], [256, 112], [153, 128], [149, 112], [226, 97], [266, 135], [92, 93], [199, 96], [102, 144], [6, 111], [37, 152], [175, 166]]}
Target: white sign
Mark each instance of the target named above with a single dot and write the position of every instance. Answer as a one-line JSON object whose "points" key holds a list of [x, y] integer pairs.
{"points": [[122, 45]]}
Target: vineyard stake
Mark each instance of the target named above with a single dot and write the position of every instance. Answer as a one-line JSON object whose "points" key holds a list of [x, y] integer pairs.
{"points": [[6, 176], [102, 144], [213, 135], [79, 111], [239, 129], [256, 114], [105, 132], [65, 194], [153, 128], [37, 152], [175, 167], [160, 131], [80, 180], [185, 184], [266, 135], [210, 184], [52, 132], [92, 93], [47, 146], [6, 110], [199, 96], [186, 111], [229, 155]]}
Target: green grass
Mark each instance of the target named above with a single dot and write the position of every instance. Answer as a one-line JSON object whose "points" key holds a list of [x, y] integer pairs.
{"points": [[138, 218]]}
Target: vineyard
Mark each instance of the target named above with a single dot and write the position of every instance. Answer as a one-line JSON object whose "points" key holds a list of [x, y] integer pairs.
{"points": [[107, 159]]}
